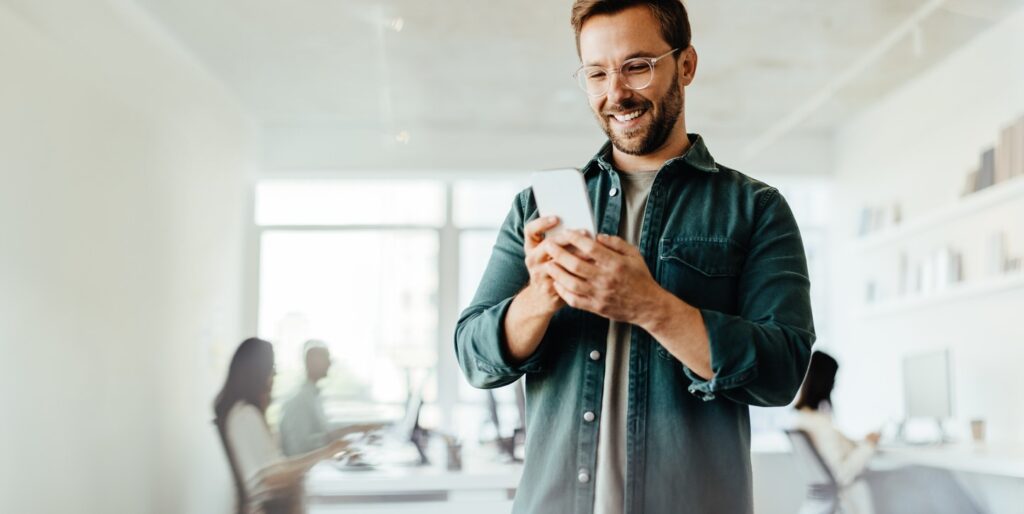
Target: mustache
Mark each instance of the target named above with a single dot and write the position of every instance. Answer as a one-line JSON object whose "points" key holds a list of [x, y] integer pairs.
{"points": [[627, 106]]}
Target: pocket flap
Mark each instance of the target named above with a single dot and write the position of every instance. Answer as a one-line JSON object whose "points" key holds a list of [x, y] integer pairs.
{"points": [[713, 257]]}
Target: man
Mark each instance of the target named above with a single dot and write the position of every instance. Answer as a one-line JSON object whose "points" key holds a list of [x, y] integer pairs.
{"points": [[643, 350], [304, 426]]}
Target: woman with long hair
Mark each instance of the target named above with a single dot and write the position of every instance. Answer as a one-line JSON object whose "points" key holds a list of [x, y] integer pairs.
{"points": [[864, 491], [266, 482]]}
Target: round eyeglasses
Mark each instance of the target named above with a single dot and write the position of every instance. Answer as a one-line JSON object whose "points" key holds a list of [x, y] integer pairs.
{"points": [[636, 73]]}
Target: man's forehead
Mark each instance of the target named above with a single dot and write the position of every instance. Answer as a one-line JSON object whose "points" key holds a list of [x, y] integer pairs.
{"points": [[611, 38]]}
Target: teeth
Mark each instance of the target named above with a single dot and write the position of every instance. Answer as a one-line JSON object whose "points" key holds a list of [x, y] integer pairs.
{"points": [[628, 117]]}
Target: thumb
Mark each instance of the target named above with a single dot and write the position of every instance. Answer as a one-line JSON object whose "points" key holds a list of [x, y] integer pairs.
{"points": [[615, 243]]}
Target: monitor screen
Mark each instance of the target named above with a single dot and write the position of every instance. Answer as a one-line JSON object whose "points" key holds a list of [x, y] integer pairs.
{"points": [[926, 386]]}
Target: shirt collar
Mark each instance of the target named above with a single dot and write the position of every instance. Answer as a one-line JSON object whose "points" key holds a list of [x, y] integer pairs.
{"points": [[696, 156]]}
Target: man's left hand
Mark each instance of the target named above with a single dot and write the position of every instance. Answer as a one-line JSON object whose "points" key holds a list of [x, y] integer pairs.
{"points": [[606, 276]]}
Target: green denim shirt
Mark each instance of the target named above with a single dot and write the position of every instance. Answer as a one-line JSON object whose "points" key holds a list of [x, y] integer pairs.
{"points": [[723, 243]]}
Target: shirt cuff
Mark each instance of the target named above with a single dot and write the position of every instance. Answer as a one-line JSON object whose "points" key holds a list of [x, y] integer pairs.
{"points": [[495, 359], [733, 356]]}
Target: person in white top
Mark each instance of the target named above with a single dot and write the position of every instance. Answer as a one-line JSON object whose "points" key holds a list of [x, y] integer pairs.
{"points": [[846, 459], [864, 490], [266, 481], [304, 425]]}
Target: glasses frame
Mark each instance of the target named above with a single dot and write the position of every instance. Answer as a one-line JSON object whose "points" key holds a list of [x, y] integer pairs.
{"points": [[650, 61]]}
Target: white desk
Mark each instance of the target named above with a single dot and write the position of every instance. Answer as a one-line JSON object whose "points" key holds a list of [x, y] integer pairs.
{"points": [[999, 460], [479, 487]]}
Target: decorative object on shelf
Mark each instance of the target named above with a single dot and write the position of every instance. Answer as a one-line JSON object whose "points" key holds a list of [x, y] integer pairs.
{"points": [[996, 261]]}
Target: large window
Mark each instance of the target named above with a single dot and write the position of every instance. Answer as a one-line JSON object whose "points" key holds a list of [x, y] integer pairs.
{"points": [[379, 270]]}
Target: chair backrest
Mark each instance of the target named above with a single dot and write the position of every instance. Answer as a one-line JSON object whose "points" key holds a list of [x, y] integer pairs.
{"points": [[242, 499], [811, 466]]}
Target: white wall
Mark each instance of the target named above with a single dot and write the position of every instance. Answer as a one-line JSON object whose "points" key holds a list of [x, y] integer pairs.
{"points": [[915, 147], [122, 203]]}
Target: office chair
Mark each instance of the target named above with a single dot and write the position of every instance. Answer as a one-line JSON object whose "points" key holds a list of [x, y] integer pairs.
{"points": [[272, 505], [822, 489], [236, 476]]}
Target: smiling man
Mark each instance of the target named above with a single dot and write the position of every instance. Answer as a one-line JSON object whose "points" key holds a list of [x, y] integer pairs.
{"points": [[643, 347]]}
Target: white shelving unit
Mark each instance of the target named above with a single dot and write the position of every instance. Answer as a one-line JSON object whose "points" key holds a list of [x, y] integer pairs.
{"points": [[956, 292], [976, 202], [893, 237]]}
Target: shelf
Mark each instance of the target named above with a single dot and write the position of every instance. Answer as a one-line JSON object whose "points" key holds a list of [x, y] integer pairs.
{"points": [[953, 293], [967, 205]]}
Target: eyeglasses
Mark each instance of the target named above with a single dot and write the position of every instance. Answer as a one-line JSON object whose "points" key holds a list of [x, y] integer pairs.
{"points": [[636, 73]]}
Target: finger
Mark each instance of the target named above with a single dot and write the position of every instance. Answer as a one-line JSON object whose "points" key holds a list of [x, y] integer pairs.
{"points": [[534, 231], [586, 244], [617, 244], [574, 264], [567, 280], [538, 254], [571, 299]]}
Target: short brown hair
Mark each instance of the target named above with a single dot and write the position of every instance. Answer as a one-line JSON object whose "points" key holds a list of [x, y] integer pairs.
{"points": [[671, 16]]}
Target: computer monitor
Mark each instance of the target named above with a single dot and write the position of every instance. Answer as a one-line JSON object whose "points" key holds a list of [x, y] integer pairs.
{"points": [[926, 386]]}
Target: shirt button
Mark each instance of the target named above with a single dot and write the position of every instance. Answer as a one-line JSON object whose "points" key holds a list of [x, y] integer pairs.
{"points": [[595, 355], [588, 416], [583, 477], [613, 191]]}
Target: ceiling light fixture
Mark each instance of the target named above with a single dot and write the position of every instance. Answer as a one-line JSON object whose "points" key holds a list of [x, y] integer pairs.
{"points": [[396, 24], [402, 137]]}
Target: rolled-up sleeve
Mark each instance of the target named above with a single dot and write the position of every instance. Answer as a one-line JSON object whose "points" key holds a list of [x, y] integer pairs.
{"points": [[480, 344], [759, 356]]}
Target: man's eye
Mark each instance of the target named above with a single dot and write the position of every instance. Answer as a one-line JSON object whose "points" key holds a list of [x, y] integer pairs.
{"points": [[636, 67], [596, 75]]}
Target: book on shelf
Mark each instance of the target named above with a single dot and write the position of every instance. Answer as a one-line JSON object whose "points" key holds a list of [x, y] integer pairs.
{"points": [[986, 170], [1004, 155], [1016, 142]]}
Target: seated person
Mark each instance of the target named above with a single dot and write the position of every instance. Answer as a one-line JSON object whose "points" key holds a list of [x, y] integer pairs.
{"points": [[846, 459], [267, 482], [304, 426], [863, 490]]}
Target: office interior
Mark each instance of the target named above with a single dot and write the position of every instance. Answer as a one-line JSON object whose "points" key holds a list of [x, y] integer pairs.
{"points": [[180, 175]]}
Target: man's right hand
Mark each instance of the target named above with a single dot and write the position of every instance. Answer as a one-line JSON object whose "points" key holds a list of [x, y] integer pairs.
{"points": [[541, 289]]}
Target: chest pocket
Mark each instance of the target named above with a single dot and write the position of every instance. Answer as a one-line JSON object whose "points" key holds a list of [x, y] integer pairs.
{"points": [[702, 271]]}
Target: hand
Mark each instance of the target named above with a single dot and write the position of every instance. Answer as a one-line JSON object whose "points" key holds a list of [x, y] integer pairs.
{"points": [[337, 447], [606, 276], [873, 438], [541, 286]]}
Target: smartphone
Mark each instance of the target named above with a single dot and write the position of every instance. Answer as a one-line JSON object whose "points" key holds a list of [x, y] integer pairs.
{"points": [[563, 193]]}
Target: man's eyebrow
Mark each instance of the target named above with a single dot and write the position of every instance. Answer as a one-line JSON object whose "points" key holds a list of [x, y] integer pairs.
{"points": [[633, 55]]}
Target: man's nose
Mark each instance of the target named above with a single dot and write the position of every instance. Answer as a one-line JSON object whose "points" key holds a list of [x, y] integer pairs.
{"points": [[617, 90]]}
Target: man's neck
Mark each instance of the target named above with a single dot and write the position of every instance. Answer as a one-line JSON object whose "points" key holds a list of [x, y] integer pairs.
{"points": [[675, 145]]}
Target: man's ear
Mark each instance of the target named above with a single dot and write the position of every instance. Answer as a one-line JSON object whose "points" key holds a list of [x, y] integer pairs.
{"points": [[687, 64]]}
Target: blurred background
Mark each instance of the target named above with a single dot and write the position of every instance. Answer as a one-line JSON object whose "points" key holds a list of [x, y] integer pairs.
{"points": [[179, 175]]}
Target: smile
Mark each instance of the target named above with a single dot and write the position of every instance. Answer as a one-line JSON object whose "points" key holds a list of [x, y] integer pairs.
{"points": [[629, 116]]}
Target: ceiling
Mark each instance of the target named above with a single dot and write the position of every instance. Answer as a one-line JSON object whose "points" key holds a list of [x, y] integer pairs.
{"points": [[768, 71]]}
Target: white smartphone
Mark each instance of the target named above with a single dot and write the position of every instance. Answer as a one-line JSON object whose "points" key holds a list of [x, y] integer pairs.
{"points": [[563, 193]]}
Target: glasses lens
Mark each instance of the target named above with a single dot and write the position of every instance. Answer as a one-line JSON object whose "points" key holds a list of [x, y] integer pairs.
{"points": [[637, 73], [593, 80]]}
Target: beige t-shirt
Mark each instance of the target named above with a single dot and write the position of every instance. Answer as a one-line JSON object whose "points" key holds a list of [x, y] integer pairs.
{"points": [[610, 475]]}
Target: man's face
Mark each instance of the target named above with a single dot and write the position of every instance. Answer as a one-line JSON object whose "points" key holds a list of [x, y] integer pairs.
{"points": [[638, 122]]}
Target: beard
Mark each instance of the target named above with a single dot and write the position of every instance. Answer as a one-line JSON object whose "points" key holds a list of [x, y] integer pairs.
{"points": [[645, 139]]}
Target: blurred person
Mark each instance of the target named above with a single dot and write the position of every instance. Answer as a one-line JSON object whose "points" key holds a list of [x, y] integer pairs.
{"points": [[643, 347], [266, 482], [864, 490], [846, 459], [304, 426]]}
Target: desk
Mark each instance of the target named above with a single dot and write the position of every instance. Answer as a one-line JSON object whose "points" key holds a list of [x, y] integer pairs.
{"points": [[479, 487], [999, 460]]}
